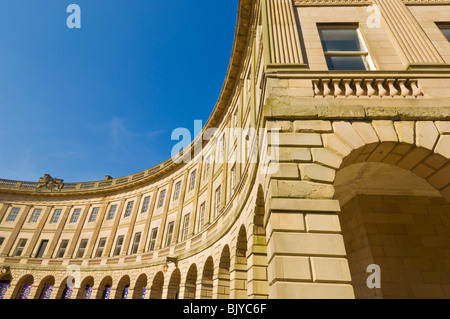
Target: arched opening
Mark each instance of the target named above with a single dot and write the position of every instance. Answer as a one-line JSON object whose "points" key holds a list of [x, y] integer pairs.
{"points": [[104, 289], [140, 288], [23, 287], [207, 279], [45, 288], [5, 283], [191, 283], [393, 218], [157, 286], [122, 288], [86, 287], [64, 290], [174, 285], [223, 291], [239, 286]]}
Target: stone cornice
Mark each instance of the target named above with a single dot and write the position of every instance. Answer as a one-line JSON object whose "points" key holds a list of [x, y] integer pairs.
{"points": [[362, 2], [245, 17]]}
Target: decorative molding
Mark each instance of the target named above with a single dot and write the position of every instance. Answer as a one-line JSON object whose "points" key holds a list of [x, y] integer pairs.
{"points": [[300, 3], [332, 2]]}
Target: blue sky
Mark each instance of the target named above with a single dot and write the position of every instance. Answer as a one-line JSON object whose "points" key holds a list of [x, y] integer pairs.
{"points": [[104, 99]]}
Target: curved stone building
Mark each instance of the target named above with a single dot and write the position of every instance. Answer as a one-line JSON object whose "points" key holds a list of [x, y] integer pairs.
{"points": [[323, 172]]}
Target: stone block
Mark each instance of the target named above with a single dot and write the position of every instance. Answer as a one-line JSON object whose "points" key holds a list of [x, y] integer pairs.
{"points": [[314, 172], [322, 223], [426, 135], [325, 157], [330, 269]]}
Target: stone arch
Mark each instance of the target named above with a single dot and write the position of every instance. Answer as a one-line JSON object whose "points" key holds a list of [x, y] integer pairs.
{"points": [[223, 276], [156, 290], [45, 288], [104, 288], [140, 287], [64, 291], [23, 287], [257, 284], [5, 283], [86, 287], [207, 279], [173, 290], [239, 267], [421, 147], [191, 282], [122, 288], [392, 180]]}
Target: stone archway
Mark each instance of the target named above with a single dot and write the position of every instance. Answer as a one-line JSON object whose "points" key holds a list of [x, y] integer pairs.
{"points": [[207, 279], [140, 288], [239, 272], [156, 290], [395, 219], [86, 288], [173, 290], [45, 288], [306, 249], [223, 276], [104, 288], [191, 283], [122, 288], [23, 287]]}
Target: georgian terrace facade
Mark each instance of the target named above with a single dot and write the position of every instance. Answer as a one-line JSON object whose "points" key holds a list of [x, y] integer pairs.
{"points": [[356, 94]]}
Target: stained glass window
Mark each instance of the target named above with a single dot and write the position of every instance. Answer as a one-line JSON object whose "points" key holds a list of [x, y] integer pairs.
{"points": [[3, 289], [88, 293], [47, 292], [25, 292]]}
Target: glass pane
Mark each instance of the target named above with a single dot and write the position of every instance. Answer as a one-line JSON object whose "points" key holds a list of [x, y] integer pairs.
{"points": [[446, 31], [346, 62], [341, 39]]}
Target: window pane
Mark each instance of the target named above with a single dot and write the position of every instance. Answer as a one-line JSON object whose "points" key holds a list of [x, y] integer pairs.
{"points": [[101, 245], [94, 214], [56, 216], [35, 215], [340, 39], [13, 214], [41, 249], [146, 203], [75, 216], [346, 62], [446, 31], [62, 249]]}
